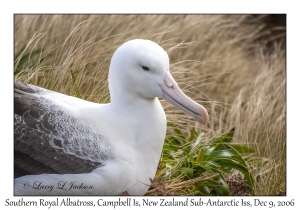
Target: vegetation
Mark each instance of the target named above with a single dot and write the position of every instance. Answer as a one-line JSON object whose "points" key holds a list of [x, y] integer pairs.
{"points": [[234, 65]]}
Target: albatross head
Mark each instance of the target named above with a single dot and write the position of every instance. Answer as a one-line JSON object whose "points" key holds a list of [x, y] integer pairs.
{"points": [[141, 68]]}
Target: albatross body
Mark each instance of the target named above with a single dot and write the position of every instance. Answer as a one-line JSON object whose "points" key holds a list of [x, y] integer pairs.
{"points": [[68, 146]]}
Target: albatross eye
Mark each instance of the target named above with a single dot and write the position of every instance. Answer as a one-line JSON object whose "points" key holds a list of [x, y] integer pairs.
{"points": [[145, 68]]}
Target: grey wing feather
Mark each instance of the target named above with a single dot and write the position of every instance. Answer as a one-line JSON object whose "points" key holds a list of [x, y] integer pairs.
{"points": [[48, 140]]}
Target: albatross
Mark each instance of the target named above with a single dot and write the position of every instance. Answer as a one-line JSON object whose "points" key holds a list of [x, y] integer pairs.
{"points": [[68, 146]]}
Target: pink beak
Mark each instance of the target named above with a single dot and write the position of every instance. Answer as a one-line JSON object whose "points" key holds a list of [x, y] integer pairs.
{"points": [[173, 94]]}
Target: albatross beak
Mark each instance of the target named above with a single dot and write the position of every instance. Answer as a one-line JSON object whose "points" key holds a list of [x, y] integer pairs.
{"points": [[173, 94]]}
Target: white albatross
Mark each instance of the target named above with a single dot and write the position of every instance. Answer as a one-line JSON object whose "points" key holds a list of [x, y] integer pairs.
{"points": [[69, 146]]}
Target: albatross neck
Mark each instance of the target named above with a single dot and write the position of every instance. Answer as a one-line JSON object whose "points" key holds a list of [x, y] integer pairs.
{"points": [[131, 103]]}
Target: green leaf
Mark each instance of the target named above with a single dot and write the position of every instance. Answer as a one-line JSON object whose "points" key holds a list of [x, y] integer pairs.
{"points": [[173, 140], [206, 168], [240, 149], [187, 147], [177, 130], [225, 188], [209, 149], [199, 137], [227, 137], [211, 164], [221, 146], [193, 193], [187, 171], [170, 147], [233, 160], [220, 154], [193, 133], [204, 190], [190, 157], [221, 190]]}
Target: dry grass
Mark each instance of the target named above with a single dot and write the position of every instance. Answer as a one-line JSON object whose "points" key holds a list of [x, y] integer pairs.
{"points": [[233, 64]]}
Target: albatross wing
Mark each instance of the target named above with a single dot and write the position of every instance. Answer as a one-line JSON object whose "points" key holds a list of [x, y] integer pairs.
{"points": [[52, 137]]}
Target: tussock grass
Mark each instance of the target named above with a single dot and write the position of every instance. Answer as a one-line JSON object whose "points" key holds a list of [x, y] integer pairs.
{"points": [[232, 64]]}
